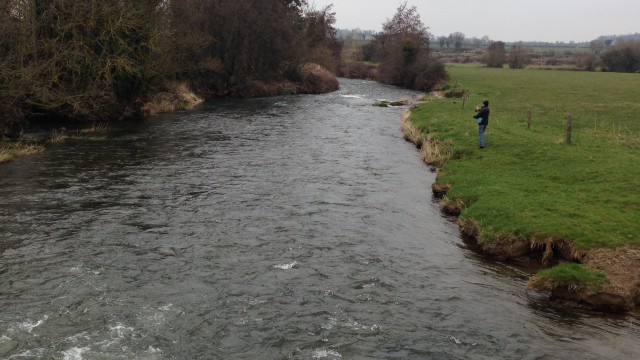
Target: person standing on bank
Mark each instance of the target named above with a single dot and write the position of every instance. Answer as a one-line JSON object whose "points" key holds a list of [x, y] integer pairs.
{"points": [[482, 118]]}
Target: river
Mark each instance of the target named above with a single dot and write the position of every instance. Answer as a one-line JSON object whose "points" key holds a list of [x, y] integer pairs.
{"points": [[298, 227]]}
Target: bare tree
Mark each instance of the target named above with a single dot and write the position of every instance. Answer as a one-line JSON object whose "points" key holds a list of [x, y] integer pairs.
{"points": [[93, 59], [519, 56], [457, 39], [321, 35], [78, 59], [496, 55], [597, 46], [442, 40], [402, 49]]}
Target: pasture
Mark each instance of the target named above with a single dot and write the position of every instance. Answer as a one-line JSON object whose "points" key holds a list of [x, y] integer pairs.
{"points": [[530, 182]]}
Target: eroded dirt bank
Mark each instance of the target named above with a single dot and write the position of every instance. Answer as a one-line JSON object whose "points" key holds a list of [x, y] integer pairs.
{"points": [[620, 265]]}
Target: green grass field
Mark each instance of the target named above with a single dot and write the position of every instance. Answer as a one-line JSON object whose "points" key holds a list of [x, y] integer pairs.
{"points": [[529, 182]]}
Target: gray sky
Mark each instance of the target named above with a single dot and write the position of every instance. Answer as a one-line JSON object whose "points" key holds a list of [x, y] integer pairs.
{"points": [[505, 20]]}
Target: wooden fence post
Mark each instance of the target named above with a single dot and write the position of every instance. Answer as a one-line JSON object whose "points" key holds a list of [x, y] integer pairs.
{"points": [[569, 128]]}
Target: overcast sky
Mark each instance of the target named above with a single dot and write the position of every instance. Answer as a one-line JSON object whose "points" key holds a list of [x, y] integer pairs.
{"points": [[505, 20]]}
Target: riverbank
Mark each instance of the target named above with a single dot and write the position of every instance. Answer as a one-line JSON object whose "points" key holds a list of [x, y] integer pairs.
{"points": [[178, 97], [534, 196], [314, 79], [215, 218]]}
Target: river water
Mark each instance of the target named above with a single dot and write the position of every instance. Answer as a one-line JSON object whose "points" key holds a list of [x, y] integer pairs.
{"points": [[297, 227]]}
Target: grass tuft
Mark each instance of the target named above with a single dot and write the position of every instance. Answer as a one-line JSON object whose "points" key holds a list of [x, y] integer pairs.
{"points": [[570, 275], [178, 97], [12, 150], [58, 136]]}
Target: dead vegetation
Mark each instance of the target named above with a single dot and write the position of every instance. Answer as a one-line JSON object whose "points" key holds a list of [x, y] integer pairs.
{"points": [[10, 150], [433, 152], [176, 97], [622, 267]]}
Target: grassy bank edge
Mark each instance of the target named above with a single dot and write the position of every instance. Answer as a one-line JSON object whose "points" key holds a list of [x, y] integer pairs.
{"points": [[10, 150], [579, 281]]}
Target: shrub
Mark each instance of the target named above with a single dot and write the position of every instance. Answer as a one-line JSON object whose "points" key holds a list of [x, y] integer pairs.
{"points": [[623, 57], [496, 55], [519, 57], [589, 62], [428, 74], [402, 49]]}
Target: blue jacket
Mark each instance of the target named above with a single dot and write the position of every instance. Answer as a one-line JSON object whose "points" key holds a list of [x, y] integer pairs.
{"points": [[483, 113]]}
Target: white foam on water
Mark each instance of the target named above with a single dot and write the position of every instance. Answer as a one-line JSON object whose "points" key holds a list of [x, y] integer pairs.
{"points": [[74, 353], [74, 339], [120, 331], [286, 266], [329, 324], [324, 353], [28, 326], [106, 344], [357, 326], [29, 354], [156, 319], [353, 96], [460, 341], [254, 302]]}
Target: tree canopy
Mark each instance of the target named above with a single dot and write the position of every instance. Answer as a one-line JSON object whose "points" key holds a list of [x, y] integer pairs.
{"points": [[402, 49], [90, 59], [496, 54]]}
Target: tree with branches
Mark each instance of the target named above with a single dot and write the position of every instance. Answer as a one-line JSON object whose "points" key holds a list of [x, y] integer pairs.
{"points": [[495, 55], [89, 60], [457, 39], [519, 56], [402, 49]]}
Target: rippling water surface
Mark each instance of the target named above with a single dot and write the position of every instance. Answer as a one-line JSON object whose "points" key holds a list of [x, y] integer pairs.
{"points": [[285, 228]]}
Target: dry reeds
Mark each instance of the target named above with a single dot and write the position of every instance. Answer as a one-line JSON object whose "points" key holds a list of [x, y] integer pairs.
{"points": [[433, 152], [410, 132], [452, 207], [321, 79], [58, 136], [98, 128], [178, 97], [12, 150]]}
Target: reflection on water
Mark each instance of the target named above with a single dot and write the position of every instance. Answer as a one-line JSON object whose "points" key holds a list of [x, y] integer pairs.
{"points": [[295, 227]]}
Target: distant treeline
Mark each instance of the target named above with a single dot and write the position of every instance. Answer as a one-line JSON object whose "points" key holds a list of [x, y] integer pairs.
{"points": [[620, 57], [615, 53], [618, 38], [91, 60]]}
